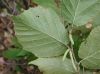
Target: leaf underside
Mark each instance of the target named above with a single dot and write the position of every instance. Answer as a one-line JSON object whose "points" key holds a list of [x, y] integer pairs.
{"points": [[90, 50], [40, 31], [79, 12]]}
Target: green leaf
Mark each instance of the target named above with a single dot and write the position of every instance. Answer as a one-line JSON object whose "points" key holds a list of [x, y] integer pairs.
{"points": [[54, 65], [86, 72], [90, 50], [13, 53], [96, 21], [79, 12], [49, 3], [16, 43], [54, 4], [46, 3], [41, 32]]}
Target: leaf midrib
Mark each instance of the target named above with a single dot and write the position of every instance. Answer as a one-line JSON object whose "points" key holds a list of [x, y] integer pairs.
{"points": [[39, 31], [75, 12]]}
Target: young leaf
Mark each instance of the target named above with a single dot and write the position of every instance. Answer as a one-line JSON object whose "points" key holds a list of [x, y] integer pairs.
{"points": [[41, 32], [79, 12], [90, 50]]}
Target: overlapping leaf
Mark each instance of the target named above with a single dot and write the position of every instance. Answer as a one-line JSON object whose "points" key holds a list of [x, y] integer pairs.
{"points": [[79, 12], [48, 3], [90, 50], [40, 31], [54, 65]]}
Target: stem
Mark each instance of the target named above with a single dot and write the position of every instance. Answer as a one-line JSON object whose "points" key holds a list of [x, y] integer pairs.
{"points": [[72, 42], [73, 62], [70, 37], [72, 55], [83, 70], [65, 54]]}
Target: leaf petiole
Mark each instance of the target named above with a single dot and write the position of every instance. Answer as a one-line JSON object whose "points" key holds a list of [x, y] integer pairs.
{"points": [[65, 54]]}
